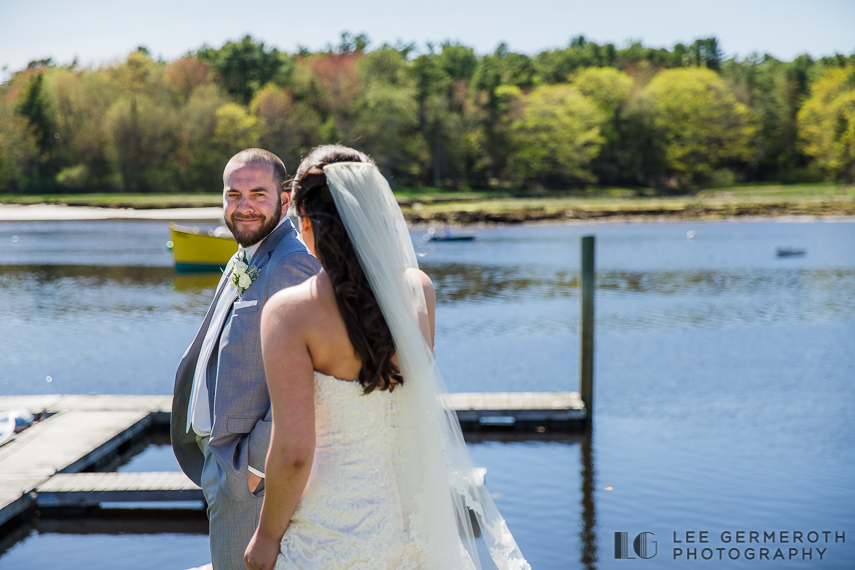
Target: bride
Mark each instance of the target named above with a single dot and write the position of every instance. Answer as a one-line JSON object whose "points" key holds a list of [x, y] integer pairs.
{"points": [[367, 467]]}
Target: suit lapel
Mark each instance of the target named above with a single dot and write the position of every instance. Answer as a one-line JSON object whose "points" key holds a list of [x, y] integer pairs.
{"points": [[259, 260]]}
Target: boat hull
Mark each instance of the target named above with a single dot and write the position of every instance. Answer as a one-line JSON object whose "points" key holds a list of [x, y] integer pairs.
{"points": [[195, 251]]}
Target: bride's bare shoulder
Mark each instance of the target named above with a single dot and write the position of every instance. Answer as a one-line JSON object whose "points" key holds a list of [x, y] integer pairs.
{"points": [[293, 303], [427, 284]]}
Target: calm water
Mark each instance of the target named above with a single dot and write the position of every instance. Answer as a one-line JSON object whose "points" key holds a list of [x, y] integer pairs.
{"points": [[724, 377]]}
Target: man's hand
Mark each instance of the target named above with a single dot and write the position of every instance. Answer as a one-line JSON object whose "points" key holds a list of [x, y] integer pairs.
{"points": [[254, 481], [261, 553]]}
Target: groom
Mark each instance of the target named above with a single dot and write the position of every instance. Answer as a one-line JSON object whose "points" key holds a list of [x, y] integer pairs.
{"points": [[221, 417]]}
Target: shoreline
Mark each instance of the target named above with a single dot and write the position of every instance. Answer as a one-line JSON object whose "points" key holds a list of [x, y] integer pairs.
{"points": [[64, 213], [455, 217]]}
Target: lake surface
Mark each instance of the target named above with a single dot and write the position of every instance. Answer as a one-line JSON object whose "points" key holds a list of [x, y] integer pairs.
{"points": [[724, 379]]}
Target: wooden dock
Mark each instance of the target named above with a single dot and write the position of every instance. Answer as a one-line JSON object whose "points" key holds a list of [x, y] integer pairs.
{"points": [[55, 463], [92, 489], [522, 411], [76, 434]]}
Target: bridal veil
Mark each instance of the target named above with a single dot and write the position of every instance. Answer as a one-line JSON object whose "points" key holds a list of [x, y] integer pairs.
{"points": [[436, 480]]}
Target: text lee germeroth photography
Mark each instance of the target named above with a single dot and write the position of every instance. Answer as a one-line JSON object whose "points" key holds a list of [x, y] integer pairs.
{"points": [[804, 546], [439, 286]]}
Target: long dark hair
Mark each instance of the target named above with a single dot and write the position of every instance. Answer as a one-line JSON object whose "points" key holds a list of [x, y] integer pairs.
{"points": [[366, 327]]}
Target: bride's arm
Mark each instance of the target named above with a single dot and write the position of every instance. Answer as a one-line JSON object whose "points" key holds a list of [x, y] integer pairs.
{"points": [[427, 320], [430, 302], [290, 380]]}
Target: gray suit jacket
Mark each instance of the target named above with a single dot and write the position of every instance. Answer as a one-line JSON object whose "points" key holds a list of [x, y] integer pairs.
{"points": [[237, 389]]}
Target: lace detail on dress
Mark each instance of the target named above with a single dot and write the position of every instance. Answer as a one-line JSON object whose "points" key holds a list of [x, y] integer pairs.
{"points": [[350, 513]]}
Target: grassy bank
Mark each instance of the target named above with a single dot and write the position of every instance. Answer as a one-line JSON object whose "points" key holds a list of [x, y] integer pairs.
{"points": [[136, 201], [771, 201], [467, 207]]}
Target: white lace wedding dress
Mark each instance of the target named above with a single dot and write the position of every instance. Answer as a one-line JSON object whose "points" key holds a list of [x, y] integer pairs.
{"points": [[351, 513]]}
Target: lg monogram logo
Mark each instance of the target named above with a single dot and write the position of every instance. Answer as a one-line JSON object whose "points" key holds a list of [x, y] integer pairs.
{"points": [[641, 546]]}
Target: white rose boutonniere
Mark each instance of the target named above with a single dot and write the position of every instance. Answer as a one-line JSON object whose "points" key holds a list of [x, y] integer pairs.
{"points": [[243, 275]]}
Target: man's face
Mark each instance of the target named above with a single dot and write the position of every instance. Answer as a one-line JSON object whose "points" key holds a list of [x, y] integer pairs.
{"points": [[252, 204]]}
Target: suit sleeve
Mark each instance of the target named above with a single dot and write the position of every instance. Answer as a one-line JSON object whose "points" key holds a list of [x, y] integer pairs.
{"points": [[292, 270]]}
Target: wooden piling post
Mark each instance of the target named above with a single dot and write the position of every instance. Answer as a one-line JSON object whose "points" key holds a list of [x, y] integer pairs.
{"points": [[586, 326]]}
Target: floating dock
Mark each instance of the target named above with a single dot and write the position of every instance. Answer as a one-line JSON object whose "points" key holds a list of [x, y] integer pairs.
{"points": [[59, 461], [75, 434]]}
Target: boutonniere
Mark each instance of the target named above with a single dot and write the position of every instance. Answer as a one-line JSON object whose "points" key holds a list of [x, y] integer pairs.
{"points": [[243, 275]]}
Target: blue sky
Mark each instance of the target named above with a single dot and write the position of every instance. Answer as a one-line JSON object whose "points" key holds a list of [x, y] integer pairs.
{"points": [[99, 31]]}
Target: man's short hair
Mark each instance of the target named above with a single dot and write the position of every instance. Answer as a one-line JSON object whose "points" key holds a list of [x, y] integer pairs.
{"points": [[261, 156]]}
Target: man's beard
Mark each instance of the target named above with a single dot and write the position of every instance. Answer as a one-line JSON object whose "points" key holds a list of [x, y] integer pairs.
{"points": [[247, 238]]}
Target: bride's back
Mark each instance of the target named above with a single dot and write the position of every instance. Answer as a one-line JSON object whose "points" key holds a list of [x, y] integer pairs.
{"points": [[326, 334]]}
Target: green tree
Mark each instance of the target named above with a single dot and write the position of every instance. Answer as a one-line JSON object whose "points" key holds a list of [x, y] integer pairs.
{"points": [[493, 76], [827, 123], [236, 130], [143, 141], [19, 150], [557, 136], [35, 107], [700, 123], [705, 53], [431, 84], [610, 89], [134, 74], [290, 128], [199, 161], [246, 66], [81, 100], [761, 84], [387, 113], [352, 44], [555, 66]]}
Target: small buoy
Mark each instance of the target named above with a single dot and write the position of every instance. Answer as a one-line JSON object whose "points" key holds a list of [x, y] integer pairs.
{"points": [[14, 239], [170, 245], [49, 379], [608, 488], [690, 234]]}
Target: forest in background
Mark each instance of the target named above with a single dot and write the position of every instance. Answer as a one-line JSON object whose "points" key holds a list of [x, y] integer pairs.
{"points": [[439, 116]]}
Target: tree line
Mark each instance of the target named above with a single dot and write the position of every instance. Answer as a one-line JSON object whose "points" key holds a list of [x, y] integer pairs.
{"points": [[442, 116]]}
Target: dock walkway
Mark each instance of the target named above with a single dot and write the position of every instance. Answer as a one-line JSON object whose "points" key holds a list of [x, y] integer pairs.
{"points": [[44, 465], [92, 489], [78, 433]]}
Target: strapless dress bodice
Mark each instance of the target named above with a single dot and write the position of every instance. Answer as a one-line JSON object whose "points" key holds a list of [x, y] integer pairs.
{"points": [[350, 513]]}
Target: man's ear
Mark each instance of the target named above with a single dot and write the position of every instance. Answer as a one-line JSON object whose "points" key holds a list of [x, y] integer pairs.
{"points": [[286, 201]]}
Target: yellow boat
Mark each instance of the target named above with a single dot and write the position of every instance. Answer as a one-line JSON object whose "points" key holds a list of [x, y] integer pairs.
{"points": [[200, 250]]}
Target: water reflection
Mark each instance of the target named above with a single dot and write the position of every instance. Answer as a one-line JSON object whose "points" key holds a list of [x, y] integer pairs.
{"points": [[122, 521], [51, 292], [588, 532], [475, 282], [111, 539], [195, 282], [626, 299]]}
